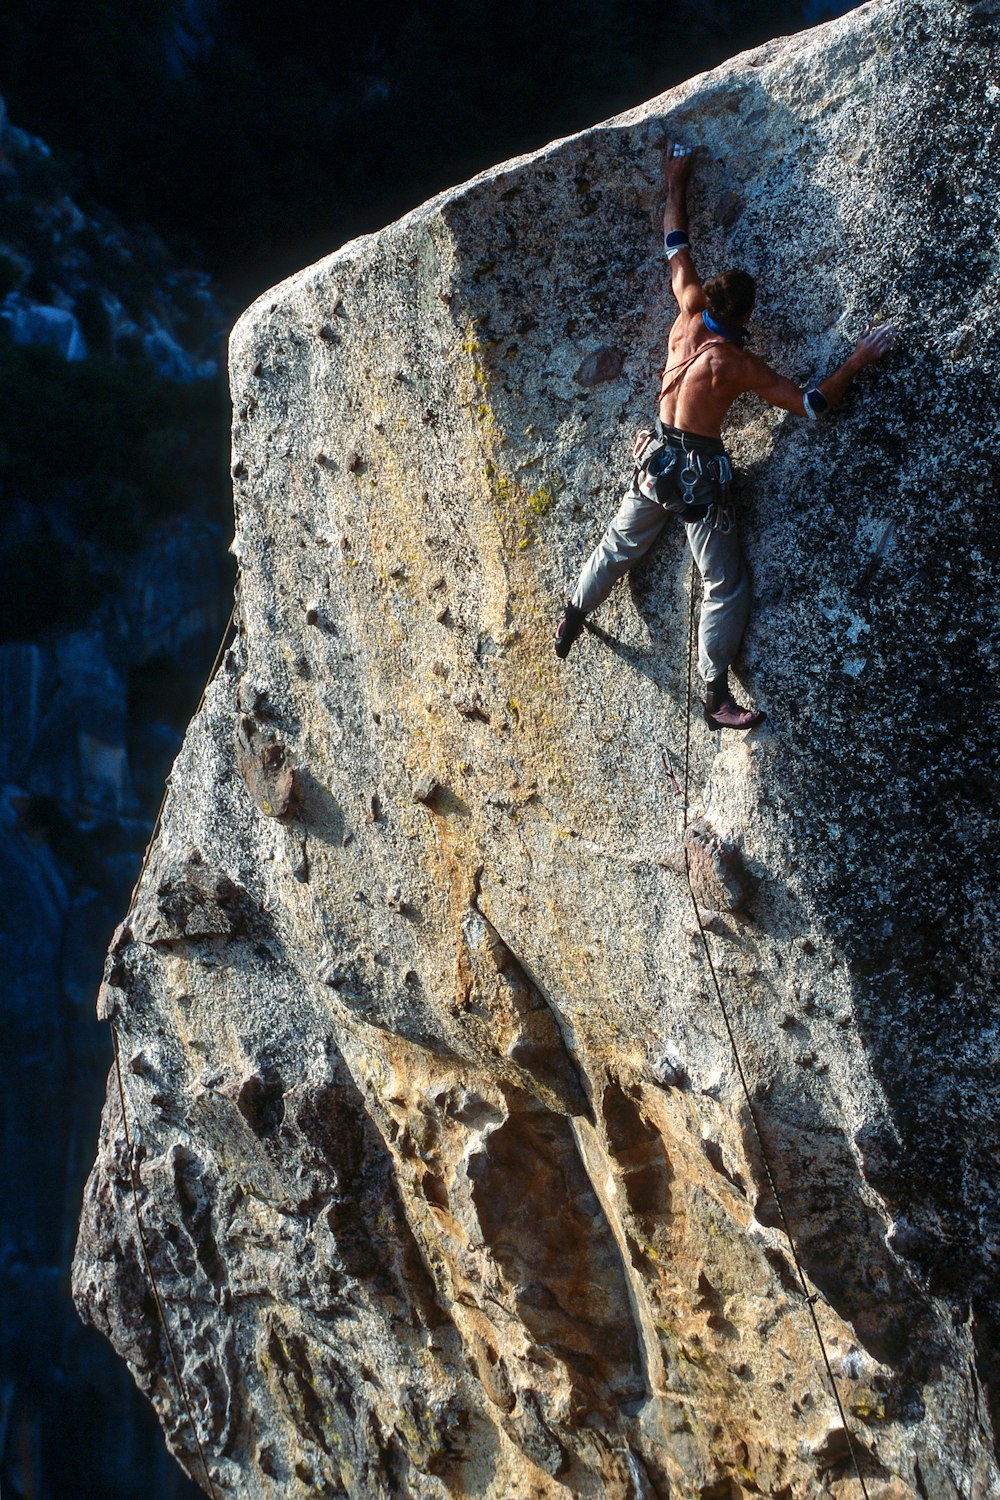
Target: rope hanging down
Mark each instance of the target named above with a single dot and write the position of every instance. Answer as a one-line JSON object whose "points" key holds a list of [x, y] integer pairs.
{"points": [[129, 1149], [809, 1297]]}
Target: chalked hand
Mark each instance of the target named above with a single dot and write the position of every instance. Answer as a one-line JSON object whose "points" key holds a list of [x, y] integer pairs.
{"points": [[677, 163], [875, 343]]}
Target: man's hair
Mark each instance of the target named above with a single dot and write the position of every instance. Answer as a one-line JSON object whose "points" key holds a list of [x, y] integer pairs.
{"points": [[731, 295]]}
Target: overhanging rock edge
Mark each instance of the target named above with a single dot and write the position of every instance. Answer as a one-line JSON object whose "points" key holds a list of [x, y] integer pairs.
{"points": [[447, 1170]]}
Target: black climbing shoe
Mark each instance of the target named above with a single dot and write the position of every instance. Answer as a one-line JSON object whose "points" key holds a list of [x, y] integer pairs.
{"points": [[725, 713], [568, 630]]}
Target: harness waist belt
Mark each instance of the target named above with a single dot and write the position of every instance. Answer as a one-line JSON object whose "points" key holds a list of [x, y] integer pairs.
{"points": [[693, 441]]}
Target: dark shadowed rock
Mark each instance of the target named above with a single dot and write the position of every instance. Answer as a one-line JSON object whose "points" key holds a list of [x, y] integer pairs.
{"points": [[453, 1185], [603, 364]]}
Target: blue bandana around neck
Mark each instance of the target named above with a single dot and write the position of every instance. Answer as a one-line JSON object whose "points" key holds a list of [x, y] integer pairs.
{"points": [[735, 332]]}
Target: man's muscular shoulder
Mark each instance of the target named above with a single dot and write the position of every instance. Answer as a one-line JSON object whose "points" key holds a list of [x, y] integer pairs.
{"points": [[776, 389], [735, 370], [750, 366], [688, 330]]}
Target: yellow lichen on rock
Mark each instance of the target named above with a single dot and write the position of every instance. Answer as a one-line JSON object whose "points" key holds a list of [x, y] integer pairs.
{"points": [[452, 1183]]}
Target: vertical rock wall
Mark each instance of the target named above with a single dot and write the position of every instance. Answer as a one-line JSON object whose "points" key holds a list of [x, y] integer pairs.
{"points": [[449, 1180]]}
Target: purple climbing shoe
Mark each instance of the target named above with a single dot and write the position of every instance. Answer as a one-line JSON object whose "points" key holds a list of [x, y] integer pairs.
{"points": [[727, 714]]}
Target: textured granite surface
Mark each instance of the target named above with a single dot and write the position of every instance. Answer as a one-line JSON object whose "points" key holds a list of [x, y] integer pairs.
{"points": [[447, 1172]]}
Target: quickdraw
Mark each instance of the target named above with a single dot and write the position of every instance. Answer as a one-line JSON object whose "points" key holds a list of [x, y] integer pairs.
{"points": [[675, 786]]}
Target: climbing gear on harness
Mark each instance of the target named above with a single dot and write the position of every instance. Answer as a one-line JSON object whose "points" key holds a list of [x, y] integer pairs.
{"points": [[656, 457], [568, 630], [814, 402], [646, 446], [734, 332], [716, 468], [658, 482]]}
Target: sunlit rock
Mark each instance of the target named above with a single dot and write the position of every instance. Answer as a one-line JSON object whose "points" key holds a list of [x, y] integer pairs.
{"points": [[449, 1178]]}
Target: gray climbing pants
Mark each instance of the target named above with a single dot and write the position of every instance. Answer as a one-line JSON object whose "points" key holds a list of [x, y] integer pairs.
{"points": [[715, 546]]}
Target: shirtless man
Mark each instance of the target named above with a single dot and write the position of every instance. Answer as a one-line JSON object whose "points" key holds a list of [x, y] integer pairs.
{"points": [[689, 474]]}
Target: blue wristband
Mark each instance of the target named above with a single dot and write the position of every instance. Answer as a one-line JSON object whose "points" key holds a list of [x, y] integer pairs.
{"points": [[675, 241], [814, 402]]}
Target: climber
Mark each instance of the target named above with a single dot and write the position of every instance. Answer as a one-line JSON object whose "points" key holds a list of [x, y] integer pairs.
{"points": [[683, 469]]}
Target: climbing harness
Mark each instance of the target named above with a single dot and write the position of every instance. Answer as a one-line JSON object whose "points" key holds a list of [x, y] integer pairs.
{"points": [[656, 456], [130, 1148], [681, 797]]}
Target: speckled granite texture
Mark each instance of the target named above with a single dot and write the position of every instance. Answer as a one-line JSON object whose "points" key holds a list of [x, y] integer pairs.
{"points": [[447, 1171]]}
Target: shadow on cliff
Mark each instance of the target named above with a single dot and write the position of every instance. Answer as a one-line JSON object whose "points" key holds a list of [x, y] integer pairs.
{"points": [[883, 791], [882, 1289]]}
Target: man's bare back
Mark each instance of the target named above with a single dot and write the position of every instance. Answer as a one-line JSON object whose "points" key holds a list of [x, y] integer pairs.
{"points": [[703, 377], [707, 370]]}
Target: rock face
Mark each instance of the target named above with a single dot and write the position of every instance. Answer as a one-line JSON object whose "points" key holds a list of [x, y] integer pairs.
{"points": [[448, 1180]]}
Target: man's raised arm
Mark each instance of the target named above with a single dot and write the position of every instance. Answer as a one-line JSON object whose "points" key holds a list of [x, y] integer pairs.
{"points": [[874, 344], [677, 162]]}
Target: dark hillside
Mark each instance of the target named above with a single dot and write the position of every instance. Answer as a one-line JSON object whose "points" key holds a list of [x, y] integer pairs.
{"points": [[266, 137]]}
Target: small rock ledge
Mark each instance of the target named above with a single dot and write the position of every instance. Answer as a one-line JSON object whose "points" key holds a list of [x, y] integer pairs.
{"points": [[447, 1174]]}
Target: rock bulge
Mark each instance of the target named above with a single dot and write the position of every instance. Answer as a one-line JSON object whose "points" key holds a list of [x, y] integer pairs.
{"points": [[448, 1177]]}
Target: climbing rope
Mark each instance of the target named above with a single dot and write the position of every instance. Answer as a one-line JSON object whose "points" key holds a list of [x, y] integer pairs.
{"points": [[129, 1149], [682, 798]]}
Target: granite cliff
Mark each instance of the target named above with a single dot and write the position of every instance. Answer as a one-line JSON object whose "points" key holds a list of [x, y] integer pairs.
{"points": [[448, 1180]]}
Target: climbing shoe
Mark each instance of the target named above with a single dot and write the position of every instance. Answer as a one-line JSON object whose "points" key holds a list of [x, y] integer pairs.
{"points": [[725, 713], [568, 629]]}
